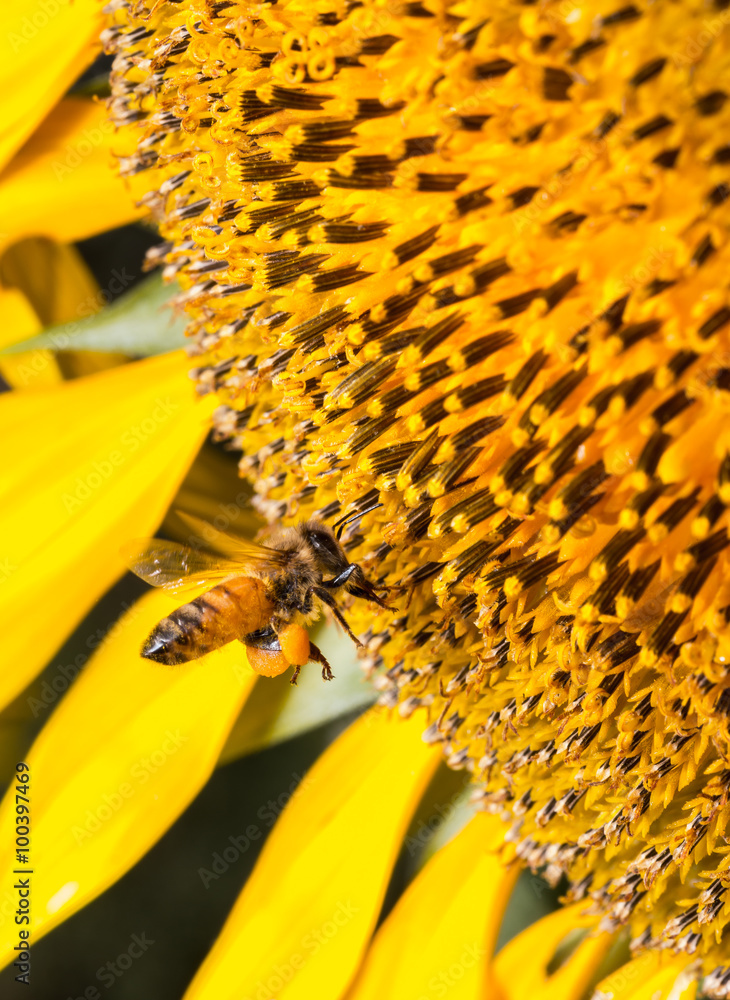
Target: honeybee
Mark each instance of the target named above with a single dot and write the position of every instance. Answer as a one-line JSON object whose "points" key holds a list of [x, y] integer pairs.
{"points": [[262, 595]]}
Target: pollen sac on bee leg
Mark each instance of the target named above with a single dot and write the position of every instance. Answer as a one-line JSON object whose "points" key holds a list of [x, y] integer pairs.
{"points": [[267, 662], [294, 642]]}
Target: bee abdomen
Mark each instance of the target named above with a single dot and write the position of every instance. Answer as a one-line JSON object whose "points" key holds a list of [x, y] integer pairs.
{"points": [[181, 636], [226, 612]]}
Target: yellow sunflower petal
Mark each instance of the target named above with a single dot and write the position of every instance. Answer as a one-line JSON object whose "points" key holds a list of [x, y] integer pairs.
{"points": [[57, 283], [53, 277], [88, 465], [61, 183], [44, 46], [128, 748], [214, 489], [521, 967], [439, 939], [303, 920], [19, 321], [43, 283], [19, 318], [651, 976]]}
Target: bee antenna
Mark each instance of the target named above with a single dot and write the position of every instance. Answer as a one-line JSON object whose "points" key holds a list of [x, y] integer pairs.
{"points": [[340, 525]]}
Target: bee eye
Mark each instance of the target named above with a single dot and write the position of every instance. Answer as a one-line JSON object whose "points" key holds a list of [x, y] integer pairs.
{"points": [[325, 548]]}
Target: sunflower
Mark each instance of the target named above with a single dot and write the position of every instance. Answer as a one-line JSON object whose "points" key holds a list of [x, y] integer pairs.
{"points": [[456, 276]]}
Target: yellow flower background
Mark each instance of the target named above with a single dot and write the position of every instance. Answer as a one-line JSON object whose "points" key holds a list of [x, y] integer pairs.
{"points": [[460, 269]]}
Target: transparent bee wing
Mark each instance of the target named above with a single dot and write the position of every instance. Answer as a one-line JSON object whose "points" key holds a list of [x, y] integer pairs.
{"points": [[649, 611], [177, 568], [233, 545]]}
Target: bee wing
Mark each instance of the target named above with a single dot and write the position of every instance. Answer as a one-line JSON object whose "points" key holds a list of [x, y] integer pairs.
{"points": [[233, 545], [176, 567]]}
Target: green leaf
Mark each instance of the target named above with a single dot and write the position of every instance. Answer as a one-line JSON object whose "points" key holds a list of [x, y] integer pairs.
{"points": [[446, 817], [92, 86], [139, 323], [276, 710]]}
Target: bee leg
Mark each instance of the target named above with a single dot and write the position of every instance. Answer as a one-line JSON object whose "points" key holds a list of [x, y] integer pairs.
{"points": [[294, 676], [329, 600], [341, 579], [316, 654], [360, 585], [368, 593]]}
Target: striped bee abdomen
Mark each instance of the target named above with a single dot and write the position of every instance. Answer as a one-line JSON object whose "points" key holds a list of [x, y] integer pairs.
{"points": [[227, 612]]}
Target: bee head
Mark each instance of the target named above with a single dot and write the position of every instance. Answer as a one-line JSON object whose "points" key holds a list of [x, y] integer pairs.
{"points": [[324, 547]]}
